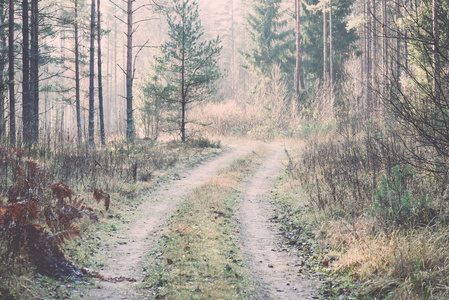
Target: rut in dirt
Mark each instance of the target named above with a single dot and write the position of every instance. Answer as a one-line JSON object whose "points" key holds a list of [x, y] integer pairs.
{"points": [[126, 259], [275, 269]]}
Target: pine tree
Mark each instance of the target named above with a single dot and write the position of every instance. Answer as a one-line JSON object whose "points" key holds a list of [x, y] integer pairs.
{"points": [[129, 73], [188, 62], [343, 40], [273, 43]]}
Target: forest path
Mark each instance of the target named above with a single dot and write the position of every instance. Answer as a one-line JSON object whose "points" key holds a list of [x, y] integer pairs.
{"points": [[141, 236], [275, 269]]}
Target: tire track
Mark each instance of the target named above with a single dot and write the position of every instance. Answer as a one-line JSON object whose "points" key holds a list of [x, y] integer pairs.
{"points": [[141, 237], [275, 271]]}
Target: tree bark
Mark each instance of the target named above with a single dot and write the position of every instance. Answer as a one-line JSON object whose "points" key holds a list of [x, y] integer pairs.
{"points": [[233, 68], [436, 58], [374, 59], [27, 104], [91, 76], [12, 101], [100, 79], [384, 40], [398, 46], [129, 76], [325, 78], [34, 70], [331, 60], [77, 78], [183, 93], [299, 82], [368, 62], [3, 45]]}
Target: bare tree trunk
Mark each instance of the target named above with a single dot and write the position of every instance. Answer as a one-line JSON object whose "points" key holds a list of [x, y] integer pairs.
{"points": [[91, 76], [77, 78], [34, 70], [12, 101], [368, 62], [436, 58], [374, 59], [384, 42], [115, 66], [299, 82], [362, 45], [100, 79], [331, 60], [234, 85], [183, 93], [3, 58], [2, 100], [129, 76], [27, 104], [324, 43], [385, 69], [398, 45]]}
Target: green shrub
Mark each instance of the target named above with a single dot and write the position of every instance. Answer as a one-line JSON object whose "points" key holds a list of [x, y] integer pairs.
{"points": [[396, 203], [204, 143]]}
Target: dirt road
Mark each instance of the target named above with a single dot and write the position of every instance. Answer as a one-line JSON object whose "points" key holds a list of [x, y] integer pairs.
{"points": [[272, 270], [275, 269], [141, 236]]}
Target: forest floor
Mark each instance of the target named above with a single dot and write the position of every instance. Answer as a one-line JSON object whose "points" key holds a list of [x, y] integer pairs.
{"points": [[272, 266]]}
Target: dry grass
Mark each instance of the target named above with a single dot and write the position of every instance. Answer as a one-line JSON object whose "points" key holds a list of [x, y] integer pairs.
{"points": [[388, 252], [227, 118], [111, 169], [267, 113], [201, 259]]}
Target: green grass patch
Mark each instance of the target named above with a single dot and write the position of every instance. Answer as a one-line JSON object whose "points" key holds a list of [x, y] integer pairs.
{"points": [[201, 256]]}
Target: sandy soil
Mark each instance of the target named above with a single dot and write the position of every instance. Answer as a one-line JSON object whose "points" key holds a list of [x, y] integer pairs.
{"points": [[275, 269]]}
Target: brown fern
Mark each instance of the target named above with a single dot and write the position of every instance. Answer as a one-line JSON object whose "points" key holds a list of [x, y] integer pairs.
{"points": [[38, 217], [99, 195]]}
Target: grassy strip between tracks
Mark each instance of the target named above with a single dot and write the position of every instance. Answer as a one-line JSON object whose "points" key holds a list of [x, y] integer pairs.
{"points": [[199, 255]]}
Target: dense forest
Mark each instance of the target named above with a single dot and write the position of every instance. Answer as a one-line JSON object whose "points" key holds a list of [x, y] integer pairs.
{"points": [[103, 101]]}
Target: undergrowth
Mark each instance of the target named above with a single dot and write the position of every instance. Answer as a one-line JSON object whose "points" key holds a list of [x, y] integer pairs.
{"points": [[117, 176], [378, 209], [37, 217]]}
